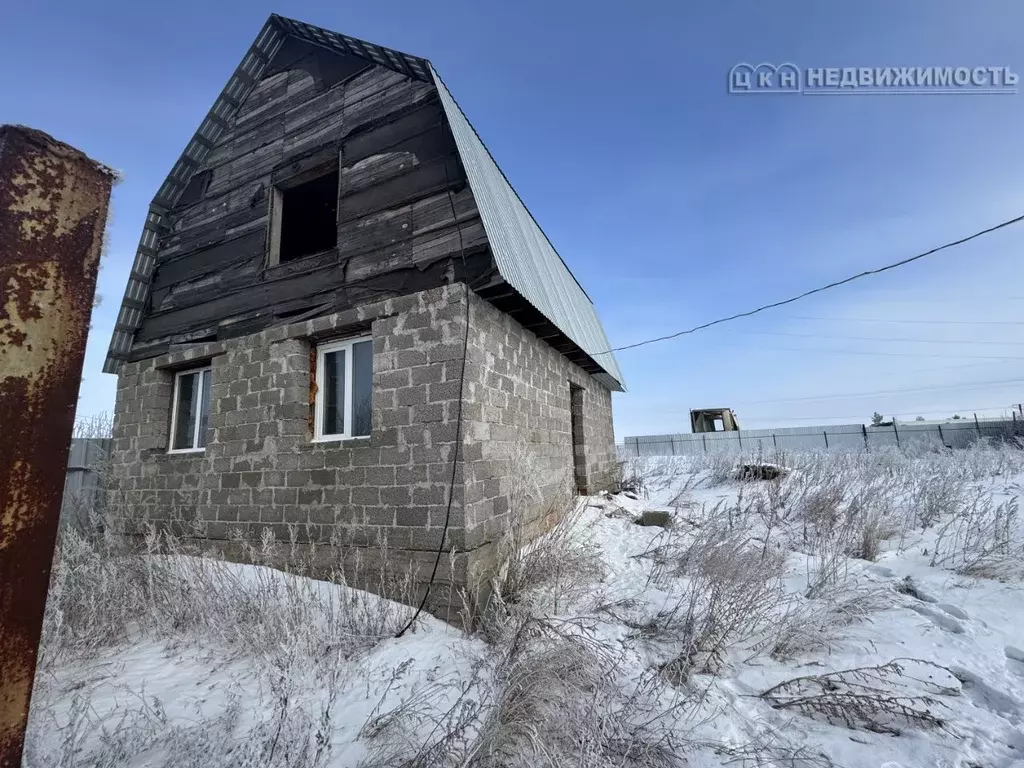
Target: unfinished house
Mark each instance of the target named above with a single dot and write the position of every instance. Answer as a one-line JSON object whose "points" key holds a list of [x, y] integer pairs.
{"points": [[343, 322]]}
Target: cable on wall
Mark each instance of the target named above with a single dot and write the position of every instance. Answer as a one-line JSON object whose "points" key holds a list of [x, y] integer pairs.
{"points": [[462, 386]]}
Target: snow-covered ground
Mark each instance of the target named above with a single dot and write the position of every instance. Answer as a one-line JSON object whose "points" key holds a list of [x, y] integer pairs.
{"points": [[308, 690], [972, 628], [857, 611]]}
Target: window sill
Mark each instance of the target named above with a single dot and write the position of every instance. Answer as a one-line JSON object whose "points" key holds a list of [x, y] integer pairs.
{"points": [[341, 441], [185, 451], [306, 263]]}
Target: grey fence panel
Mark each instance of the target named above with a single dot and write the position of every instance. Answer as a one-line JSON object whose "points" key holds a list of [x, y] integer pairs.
{"points": [[883, 437], [722, 442], [844, 437], [82, 486]]}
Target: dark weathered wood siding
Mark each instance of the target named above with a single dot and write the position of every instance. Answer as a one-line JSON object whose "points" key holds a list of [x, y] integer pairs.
{"points": [[396, 229]]}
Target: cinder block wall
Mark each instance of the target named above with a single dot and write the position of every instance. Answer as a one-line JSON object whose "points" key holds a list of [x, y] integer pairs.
{"points": [[519, 446], [262, 472]]}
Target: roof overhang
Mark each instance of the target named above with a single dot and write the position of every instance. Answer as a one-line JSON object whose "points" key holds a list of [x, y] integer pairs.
{"points": [[524, 256]]}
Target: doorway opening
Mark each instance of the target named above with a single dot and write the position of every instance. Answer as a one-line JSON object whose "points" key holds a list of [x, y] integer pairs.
{"points": [[579, 458]]}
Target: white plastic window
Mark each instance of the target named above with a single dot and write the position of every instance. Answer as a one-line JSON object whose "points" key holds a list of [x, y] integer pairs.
{"points": [[344, 379]]}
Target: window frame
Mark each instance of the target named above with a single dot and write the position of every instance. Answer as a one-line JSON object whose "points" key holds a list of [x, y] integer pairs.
{"points": [[199, 410], [275, 208], [322, 350]]}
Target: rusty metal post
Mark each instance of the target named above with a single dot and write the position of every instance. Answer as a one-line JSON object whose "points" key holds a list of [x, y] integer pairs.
{"points": [[53, 209]]}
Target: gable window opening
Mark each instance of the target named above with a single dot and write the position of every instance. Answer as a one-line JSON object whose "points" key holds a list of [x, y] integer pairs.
{"points": [[304, 218], [344, 381], [190, 410]]}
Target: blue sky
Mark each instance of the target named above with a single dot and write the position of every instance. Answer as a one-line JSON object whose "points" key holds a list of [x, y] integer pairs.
{"points": [[673, 202]]}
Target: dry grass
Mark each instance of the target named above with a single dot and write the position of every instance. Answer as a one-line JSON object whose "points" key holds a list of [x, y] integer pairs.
{"points": [[549, 693], [725, 589], [558, 684], [983, 539], [102, 594], [836, 505], [298, 634], [885, 699]]}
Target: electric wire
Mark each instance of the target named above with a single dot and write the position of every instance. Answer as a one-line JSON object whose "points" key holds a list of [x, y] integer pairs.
{"points": [[869, 353], [458, 413], [820, 289], [966, 409], [899, 322], [854, 395], [881, 338]]}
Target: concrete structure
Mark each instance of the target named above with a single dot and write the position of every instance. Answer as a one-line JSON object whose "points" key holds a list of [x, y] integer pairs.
{"points": [[262, 471], [713, 420], [343, 325]]}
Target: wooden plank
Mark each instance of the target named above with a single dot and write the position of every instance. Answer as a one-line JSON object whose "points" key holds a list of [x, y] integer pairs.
{"points": [[422, 180], [326, 104], [372, 81], [266, 152], [225, 255], [416, 128], [261, 98], [181, 242], [326, 132], [299, 87], [399, 180], [266, 298], [394, 283], [250, 164], [468, 235], [434, 209], [379, 231], [335, 125], [305, 168], [210, 209], [220, 291], [222, 307], [376, 169]]}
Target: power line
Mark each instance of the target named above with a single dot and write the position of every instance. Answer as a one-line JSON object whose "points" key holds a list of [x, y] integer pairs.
{"points": [[814, 351], [965, 409], [931, 368], [879, 338], [896, 321], [966, 385], [805, 294]]}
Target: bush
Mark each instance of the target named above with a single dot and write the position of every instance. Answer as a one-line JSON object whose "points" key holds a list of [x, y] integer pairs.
{"points": [[723, 589], [983, 538], [883, 699], [295, 632]]}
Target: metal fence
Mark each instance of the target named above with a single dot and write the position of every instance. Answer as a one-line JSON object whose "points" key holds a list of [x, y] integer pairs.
{"points": [[82, 485], [848, 437]]}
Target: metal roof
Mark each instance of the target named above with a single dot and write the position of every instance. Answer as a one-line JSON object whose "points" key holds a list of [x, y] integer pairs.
{"points": [[523, 254]]}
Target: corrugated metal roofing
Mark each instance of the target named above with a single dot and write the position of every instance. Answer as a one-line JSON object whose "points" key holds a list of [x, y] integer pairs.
{"points": [[524, 256]]}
